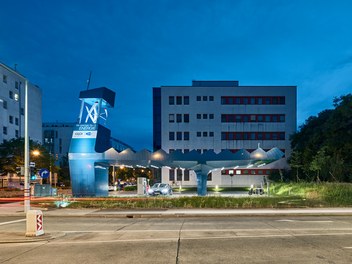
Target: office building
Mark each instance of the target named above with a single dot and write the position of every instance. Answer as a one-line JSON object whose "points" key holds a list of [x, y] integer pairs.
{"points": [[222, 115], [57, 138]]}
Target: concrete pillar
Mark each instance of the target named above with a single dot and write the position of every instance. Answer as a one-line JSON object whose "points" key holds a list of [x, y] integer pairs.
{"points": [[201, 183]]}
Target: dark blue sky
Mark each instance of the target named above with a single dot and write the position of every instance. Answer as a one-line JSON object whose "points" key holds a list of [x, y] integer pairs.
{"points": [[132, 46]]}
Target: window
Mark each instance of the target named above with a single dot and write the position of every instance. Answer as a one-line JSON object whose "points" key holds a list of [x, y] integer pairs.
{"points": [[281, 100], [22, 111], [211, 116], [171, 118], [16, 133], [11, 119], [179, 100], [211, 134], [210, 177], [171, 175], [199, 98], [171, 100], [186, 175], [185, 135], [267, 118], [179, 175], [16, 121], [205, 98], [178, 118], [211, 98], [205, 134], [179, 135], [171, 135], [252, 136], [4, 78], [186, 118], [4, 104], [4, 130], [16, 85], [16, 97], [199, 134], [223, 136], [11, 94], [205, 116], [186, 100], [282, 118], [199, 116]]}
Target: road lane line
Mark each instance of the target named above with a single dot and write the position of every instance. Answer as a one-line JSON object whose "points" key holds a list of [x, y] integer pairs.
{"points": [[12, 222], [305, 221]]}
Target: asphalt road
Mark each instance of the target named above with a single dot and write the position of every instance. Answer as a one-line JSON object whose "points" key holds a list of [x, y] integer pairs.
{"points": [[304, 239]]}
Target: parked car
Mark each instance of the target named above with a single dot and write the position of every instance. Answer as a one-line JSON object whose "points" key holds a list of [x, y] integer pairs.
{"points": [[160, 188]]}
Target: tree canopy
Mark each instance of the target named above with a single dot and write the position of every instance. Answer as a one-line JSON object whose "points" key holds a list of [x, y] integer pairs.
{"points": [[12, 156], [322, 148]]}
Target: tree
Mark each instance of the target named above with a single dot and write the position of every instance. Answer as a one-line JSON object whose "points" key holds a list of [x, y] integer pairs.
{"points": [[12, 156], [324, 143]]}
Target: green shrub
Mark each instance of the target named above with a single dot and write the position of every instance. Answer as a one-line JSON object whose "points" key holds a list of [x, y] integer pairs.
{"points": [[130, 188]]}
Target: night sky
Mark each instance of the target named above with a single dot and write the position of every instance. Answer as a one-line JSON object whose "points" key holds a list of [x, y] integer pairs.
{"points": [[133, 45]]}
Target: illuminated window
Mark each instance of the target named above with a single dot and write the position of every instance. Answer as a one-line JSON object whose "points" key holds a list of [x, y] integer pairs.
{"points": [[171, 118]]}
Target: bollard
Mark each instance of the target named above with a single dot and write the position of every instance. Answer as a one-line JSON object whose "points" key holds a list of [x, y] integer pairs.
{"points": [[35, 225]]}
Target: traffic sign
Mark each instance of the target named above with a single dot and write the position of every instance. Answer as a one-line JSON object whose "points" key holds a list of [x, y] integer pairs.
{"points": [[44, 173]]}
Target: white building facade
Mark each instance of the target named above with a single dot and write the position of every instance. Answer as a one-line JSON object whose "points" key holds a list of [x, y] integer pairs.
{"points": [[12, 99], [222, 115]]}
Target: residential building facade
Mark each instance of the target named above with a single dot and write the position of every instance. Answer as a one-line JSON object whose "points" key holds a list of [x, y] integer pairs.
{"points": [[12, 105]]}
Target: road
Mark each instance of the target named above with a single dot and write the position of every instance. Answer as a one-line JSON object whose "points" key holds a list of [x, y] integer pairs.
{"points": [[234, 239]]}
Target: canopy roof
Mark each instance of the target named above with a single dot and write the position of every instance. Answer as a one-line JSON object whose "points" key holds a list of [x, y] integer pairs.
{"points": [[193, 159]]}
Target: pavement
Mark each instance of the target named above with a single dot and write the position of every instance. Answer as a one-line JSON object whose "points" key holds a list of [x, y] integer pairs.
{"points": [[17, 210]]}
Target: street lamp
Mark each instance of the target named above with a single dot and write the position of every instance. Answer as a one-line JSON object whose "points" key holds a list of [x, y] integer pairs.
{"points": [[27, 194]]}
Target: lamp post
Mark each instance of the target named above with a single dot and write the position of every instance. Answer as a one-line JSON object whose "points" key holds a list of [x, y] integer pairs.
{"points": [[27, 201]]}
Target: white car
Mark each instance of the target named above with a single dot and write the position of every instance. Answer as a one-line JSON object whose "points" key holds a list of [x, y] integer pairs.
{"points": [[160, 188]]}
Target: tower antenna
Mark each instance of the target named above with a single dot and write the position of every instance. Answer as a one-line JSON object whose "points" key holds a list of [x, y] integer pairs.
{"points": [[88, 81]]}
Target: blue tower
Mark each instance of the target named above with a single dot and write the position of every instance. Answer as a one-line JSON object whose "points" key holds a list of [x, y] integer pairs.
{"points": [[90, 139]]}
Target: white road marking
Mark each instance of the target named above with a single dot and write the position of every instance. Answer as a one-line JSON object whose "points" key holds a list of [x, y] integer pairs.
{"points": [[305, 221], [14, 221]]}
